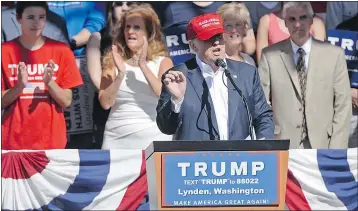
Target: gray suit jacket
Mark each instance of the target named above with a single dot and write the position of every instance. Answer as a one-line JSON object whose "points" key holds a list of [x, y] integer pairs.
{"points": [[197, 120], [55, 27], [328, 95]]}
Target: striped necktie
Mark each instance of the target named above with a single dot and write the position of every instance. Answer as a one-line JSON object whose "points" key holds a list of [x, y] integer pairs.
{"points": [[302, 75]]}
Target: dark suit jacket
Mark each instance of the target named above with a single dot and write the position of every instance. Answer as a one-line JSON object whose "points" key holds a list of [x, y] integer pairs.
{"points": [[197, 121], [55, 27]]}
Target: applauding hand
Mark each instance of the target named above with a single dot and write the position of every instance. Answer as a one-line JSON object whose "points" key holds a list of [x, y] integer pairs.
{"points": [[143, 52], [118, 60], [48, 73], [175, 82], [22, 75]]}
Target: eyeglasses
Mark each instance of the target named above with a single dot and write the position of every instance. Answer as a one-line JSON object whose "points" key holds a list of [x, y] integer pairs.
{"points": [[231, 26], [120, 3]]}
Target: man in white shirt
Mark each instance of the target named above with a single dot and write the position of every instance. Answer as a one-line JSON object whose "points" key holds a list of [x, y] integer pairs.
{"points": [[198, 102], [306, 82]]}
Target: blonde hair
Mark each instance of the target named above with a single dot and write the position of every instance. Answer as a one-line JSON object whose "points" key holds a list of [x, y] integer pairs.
{"points": [[156, 46], [235, 10]]}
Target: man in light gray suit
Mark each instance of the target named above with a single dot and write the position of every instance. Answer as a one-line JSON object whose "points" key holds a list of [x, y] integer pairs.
{"points": [[55, 27], [306, 82]]}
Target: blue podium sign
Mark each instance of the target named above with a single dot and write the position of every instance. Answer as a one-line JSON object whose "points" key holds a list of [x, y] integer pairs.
{"points": [[348, 40], [219, 179]]}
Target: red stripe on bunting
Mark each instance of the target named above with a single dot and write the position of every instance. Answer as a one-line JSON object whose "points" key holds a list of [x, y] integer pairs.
{"points": [[136, 191], [22, 165], [295, 198]]}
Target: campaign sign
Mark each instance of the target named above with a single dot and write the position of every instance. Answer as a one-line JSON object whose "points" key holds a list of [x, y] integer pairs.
{"points": [[219, 179], [177, 43], [79, 115], [348, 40]]}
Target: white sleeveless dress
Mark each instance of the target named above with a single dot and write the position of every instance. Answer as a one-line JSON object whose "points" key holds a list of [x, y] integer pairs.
{"points": [[132, 121]]}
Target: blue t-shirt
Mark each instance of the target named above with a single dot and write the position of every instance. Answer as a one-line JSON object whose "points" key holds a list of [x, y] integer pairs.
{"points": [[79, 15]]}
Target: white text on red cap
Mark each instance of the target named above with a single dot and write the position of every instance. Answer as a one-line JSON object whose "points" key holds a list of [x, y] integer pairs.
{"points": [[209, 22]]}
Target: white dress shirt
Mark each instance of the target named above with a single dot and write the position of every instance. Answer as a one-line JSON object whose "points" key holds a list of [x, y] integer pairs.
{"points": [[306, 47], [219, 95]]}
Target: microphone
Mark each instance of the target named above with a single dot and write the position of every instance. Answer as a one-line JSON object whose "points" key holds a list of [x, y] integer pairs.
{"points": [[221, 63]]}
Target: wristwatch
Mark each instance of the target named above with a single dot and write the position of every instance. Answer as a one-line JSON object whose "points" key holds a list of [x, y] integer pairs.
{"points": [[73, 45]]}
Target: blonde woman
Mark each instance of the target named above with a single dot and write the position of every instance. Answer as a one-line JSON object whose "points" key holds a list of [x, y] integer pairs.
{"points": [[236, 19], [131, 80]]}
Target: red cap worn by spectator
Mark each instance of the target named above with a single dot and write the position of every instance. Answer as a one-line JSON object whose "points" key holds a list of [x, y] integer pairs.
{"points": [[205, 26]]}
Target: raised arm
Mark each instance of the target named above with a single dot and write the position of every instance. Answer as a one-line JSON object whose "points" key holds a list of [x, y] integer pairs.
{"points": [[93, 55], [318, 29], [70, 77], [8, 96], [249, 42], [262, 36], [169, 112], [94, 22], [154, 81], [110, 81]]}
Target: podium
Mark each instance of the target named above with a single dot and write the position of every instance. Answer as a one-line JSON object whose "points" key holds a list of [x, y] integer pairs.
{"points": [[217, 175]]}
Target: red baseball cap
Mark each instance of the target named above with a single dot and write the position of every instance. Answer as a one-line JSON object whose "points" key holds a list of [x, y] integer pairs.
{"points": [[205, 26]]}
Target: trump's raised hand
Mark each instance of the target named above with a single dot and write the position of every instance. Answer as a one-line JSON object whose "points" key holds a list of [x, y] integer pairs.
{"points": [[175, 82]]}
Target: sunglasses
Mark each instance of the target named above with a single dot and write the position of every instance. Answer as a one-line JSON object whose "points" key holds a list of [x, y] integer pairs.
{"points": [[120, 3]]}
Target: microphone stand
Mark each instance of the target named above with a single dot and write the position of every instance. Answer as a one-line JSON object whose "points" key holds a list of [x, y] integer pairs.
{"points": [[228, 75]]}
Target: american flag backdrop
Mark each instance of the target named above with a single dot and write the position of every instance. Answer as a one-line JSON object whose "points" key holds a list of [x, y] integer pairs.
{"points": [[116, 180]]}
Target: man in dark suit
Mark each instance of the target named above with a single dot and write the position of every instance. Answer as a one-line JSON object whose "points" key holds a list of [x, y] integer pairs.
{"points": [[198, 102]]}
